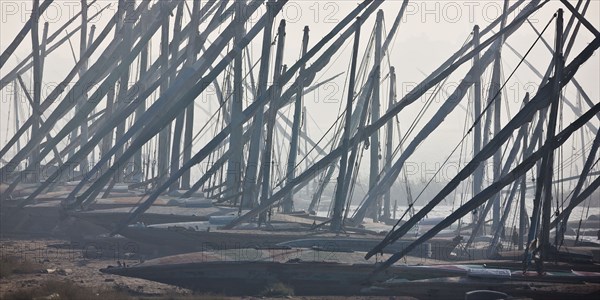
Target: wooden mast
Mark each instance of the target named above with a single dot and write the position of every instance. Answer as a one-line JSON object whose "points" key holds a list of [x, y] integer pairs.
{"points": [[375, 113], [164, 137], [83, 138], [234, 163], [250, 190], [276, 93], [189, 112], [143, 69], [479, 173], [556, 88], [37, 82], [288, 202], [388, 146], [340, 194], [178, 128]]}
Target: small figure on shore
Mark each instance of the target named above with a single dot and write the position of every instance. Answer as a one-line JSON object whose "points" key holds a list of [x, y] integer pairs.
{"points": [[515, 236]]}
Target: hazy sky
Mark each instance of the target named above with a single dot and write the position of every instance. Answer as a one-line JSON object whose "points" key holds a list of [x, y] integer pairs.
{"points": [[430, 32]]}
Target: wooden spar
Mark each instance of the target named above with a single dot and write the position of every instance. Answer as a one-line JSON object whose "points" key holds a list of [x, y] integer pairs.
{"points": [[213, 168], [288, 202], [178, 128], [90, 41], [82, 49], [389, 133], [358, 111], [31, 25], [367, 93], [251, 74], [251, 110], [122, 97], [492, 189], [17, 105], [362, 111], [143, 68], [96, 119], [375, 109], [189, 113], [567, 51], [43, 46], [477, 228], [110, 97], [340, 193], [480, 172], [448, 106], [24, 66], [497, 94], [589, 162], [581, 18], [236, 146], [523, 195], [321, 187], [304, 135], [555, 98], [100, 92], [66, 104], [174, 90], [37, 83], [579, 195], [164, 137], [271, 118], [538, 102], [249, 190], [35, 110], [100, 67], [286, 136], [443, 71], [509, 161], [169, 112], [577, 111]]}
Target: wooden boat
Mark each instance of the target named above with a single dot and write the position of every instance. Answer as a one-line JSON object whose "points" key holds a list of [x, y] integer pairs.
{"points": [[309, 272], [306, 272], [107, 218], [458, 287], [199, 236]]}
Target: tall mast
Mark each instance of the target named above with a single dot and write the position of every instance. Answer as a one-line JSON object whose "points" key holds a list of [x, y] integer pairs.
{"points": [[268, 149], [137, 158], [189, 112], [288, 202], [164, 137], [479, 173], [522, 207], [340, 194], [83, 138], [388, 144], [495, 91], [37, 80], [127, 29], [234, 164], [547, 202], [250, 191], [178, 128], [16, 102], [375, 107]]}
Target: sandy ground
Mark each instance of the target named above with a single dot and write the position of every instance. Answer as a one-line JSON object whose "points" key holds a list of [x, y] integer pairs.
{"points": [[51, 263], [70, 264]]}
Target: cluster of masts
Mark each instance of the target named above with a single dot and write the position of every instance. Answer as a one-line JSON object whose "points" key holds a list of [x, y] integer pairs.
{"points": [[189, 63]]}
